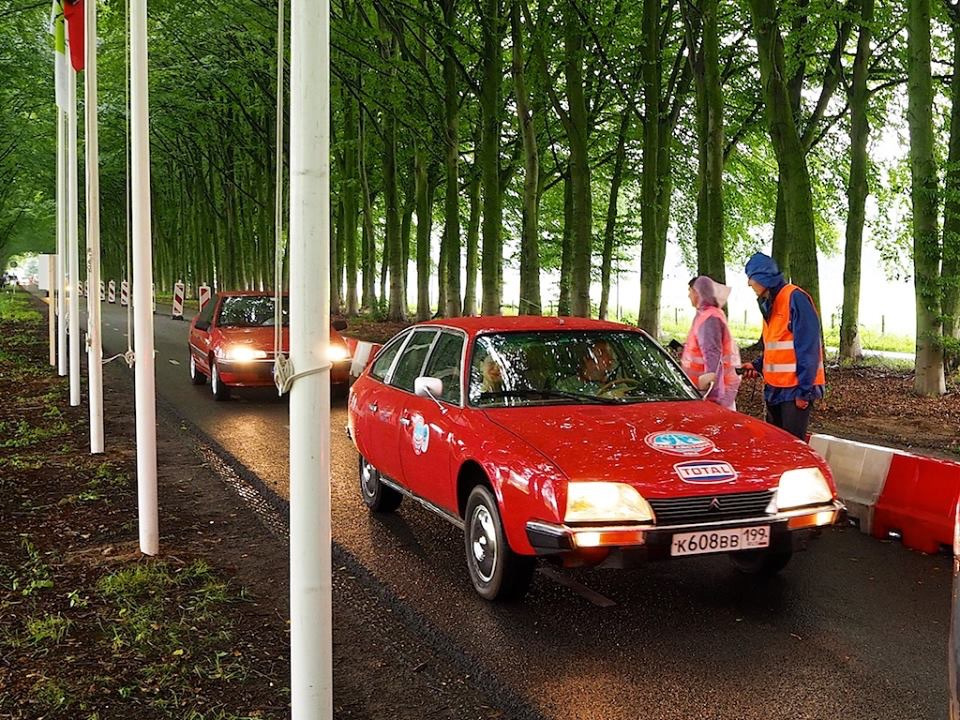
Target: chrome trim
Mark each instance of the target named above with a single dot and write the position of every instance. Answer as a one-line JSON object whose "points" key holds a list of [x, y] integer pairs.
{"points": [[563, 530], [453, 519]]}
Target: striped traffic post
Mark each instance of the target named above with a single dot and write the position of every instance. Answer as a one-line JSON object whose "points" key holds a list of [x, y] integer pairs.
{"points": [[103, 291], [124, 293], [204, 296], [79, 288], [178, 290], [111, 292]]}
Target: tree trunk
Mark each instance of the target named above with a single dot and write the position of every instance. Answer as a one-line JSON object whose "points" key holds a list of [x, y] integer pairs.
{"points": [[578, 136], [489, 156], [393, 258], [368, 299], [651, 254], [406, 227], [563, 303], [473, 246], [335, 276], [714, 266], [780, 244], [923, 172], [424, 225], [788, 148], [450, 260], [950, 276], [349, 188], [530, 234], [857, 191], [610, 229]]}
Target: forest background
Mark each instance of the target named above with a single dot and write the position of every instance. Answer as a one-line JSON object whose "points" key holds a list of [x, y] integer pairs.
{"points": [[535, 155]]}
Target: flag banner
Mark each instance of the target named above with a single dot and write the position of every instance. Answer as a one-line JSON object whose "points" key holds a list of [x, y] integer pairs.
{"points": [[59, 53], [73, 12]]}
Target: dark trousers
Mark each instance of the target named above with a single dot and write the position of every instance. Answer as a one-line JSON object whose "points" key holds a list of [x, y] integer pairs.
{"points": [[788, 416]]}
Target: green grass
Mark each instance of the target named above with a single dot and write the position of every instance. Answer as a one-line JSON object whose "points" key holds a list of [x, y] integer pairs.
{"points": [[15, 307]]}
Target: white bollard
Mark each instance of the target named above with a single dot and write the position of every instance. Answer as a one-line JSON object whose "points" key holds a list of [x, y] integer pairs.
{"points": [[79, 288], [204, 296], [124, 293], [103, 291], [111, 292], [154, 296], [178, 291]]}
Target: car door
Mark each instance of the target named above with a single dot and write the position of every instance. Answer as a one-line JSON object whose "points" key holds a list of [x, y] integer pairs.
{"points": [[393, 397], [200, 330], [366, 396], [428, 427]]}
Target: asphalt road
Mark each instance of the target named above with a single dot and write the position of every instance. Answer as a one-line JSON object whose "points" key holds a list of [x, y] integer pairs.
{"points": [[853, 628]]}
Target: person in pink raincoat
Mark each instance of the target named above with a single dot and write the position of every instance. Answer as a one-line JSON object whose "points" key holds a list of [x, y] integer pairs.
{"points": [[710, 355]]}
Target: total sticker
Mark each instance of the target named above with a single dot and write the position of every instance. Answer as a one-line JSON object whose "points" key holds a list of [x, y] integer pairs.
{"points": [[705, 472], [680, 443], [421, 436]]}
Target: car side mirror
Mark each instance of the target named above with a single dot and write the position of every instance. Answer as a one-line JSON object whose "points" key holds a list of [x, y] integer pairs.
{"points": [[430, 387], [202, 325], [339, 325]]}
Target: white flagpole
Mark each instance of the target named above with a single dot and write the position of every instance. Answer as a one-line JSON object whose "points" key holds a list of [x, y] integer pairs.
{"points": [[311, 647], [73, 240], [92, 157], [61, 242], [52, 307], [146, 407]]}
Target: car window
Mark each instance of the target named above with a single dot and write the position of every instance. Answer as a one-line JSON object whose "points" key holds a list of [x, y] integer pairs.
{"points": [[573, 366], [410, 362], [250, 311], [444, 363], [207, 314], [381, 366]]}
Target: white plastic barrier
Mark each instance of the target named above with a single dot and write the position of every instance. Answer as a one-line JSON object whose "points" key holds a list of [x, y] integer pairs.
{"points": [[111, 292], [103, 291], [859, 471], [361, 355], [124, 293], [79, 288]]}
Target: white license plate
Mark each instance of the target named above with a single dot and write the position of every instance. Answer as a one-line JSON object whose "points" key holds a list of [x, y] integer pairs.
{"points": [[729, 540]]}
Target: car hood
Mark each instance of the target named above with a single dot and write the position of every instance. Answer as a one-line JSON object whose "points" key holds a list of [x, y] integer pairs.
{"points": [[655, 446], [260, 338]]}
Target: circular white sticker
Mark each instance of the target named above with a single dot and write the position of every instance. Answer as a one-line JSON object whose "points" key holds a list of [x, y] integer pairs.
{"points": [[680, 443], [421, 436]]}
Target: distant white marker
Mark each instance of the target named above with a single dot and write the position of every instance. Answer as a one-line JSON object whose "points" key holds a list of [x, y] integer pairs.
{"points": [[174, 362]]}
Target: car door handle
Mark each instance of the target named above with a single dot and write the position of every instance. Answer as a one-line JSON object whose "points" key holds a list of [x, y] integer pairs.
{"points": [[404, 421], [372, 407]]}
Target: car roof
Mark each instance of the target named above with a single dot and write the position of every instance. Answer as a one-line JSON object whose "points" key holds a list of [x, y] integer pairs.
{"points": [[519, 323]]}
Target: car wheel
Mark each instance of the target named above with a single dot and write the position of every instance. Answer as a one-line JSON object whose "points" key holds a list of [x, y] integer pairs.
{"points": [[219, 390], [376, 496], [497, 572], [196, 377], [761, 562]]}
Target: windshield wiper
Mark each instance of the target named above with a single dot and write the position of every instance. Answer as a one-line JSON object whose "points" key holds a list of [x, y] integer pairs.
{"points": [[544, 392]]}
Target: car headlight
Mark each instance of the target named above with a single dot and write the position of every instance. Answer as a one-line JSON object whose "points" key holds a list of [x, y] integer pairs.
{"points": [[606, 502], [243, 353], [337, 353], [803, 487]]}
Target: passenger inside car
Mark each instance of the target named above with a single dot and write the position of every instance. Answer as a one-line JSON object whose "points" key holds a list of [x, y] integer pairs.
{"points": [[598, 368], [491, 375]]}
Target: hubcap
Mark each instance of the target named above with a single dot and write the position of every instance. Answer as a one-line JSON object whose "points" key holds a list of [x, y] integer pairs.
{"points": [[484, 543], [368, 479]]}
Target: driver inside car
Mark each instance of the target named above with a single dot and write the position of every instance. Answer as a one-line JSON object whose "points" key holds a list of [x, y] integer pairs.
{"points": [[598, 372]]}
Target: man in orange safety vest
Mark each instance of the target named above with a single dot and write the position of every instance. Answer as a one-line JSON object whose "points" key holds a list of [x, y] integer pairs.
{"points": [[792, 358]]}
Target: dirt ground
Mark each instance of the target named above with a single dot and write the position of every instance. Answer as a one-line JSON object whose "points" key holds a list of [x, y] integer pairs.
{"points": [[92, 629]]}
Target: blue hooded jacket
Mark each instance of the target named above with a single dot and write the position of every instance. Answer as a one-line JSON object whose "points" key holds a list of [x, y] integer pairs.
{"points": [[804, 324]]}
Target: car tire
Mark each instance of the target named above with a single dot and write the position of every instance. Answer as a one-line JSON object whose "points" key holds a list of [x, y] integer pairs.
{"points": [[219, 390], [196, 377], [378, 497], [762, 563], [496, 571]]}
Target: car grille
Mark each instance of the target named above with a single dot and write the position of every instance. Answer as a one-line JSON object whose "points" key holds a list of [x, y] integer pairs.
{"points": [[711, 508]]}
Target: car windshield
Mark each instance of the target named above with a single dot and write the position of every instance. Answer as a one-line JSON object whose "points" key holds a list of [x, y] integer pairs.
{"points": [[250, 311], [609, 367]]}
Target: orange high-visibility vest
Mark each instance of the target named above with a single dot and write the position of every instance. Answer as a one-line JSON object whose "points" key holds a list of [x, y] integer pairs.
{"points": [[692, 359], [779, 354]]}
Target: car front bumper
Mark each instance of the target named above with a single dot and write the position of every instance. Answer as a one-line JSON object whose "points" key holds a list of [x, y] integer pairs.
{"points": [[631, 545]]}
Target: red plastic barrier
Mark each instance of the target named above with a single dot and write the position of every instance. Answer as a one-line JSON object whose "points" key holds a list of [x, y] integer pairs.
{"points": [[351, 344], [918, 501]]}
